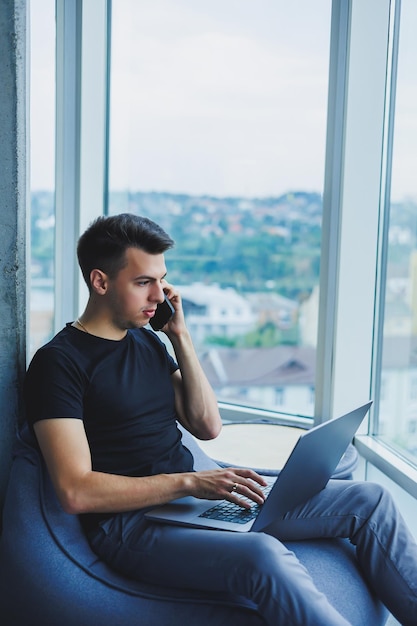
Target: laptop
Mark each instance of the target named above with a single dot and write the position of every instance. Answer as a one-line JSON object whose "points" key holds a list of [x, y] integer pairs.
{"points": [[307, 471]]}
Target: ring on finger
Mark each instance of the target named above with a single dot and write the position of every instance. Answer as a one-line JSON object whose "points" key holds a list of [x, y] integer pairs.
{"points": [[234, 488]]}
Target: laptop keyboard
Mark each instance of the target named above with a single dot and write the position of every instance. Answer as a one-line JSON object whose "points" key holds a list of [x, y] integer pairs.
{"points": [[229, 512]]}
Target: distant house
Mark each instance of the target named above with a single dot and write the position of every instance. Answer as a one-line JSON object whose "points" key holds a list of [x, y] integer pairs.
{"points": [[281, 377], [213, 311], [272, 307]]}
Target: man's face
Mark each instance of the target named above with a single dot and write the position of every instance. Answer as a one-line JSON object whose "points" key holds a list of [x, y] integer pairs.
{"points": [[133, 295]]}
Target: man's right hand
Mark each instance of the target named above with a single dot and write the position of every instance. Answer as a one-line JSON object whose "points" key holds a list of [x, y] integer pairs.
{"points": [[230, 484]]}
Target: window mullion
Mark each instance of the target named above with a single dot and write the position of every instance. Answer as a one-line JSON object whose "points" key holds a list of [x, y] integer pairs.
{"points": [[352, 202], [68, 90], [81, 144]]}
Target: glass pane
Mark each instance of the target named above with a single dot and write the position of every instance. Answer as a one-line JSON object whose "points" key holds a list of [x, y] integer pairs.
{"points": [[398, 407], [218, 121], [42, 165]]}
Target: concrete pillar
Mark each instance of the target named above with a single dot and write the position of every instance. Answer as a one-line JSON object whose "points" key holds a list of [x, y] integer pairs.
{"points": [[13, 214]]}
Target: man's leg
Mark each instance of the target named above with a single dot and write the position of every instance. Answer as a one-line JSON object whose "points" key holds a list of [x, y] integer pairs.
{"points": [[253, 565], [367, 515]]}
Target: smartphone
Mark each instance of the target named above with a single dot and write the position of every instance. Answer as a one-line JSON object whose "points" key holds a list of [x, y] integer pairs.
{"points": [[164, 312]]}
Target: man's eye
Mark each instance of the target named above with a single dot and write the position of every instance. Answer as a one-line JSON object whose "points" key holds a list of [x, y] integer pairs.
{"points": [[142, 283]]}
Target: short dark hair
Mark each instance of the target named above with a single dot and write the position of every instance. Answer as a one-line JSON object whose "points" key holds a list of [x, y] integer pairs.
{"points": [[103, 245]]}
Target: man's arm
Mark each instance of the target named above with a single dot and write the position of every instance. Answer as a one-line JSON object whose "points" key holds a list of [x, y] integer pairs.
{"points": [[195, 400], [80, 489]]}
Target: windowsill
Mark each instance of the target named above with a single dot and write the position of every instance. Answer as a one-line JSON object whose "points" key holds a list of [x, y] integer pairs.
{"points": [[265, 447], [233, 413], [387, 461]]}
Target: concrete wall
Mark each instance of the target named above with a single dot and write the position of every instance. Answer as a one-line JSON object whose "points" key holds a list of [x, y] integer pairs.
{"points": [[13, 205]]}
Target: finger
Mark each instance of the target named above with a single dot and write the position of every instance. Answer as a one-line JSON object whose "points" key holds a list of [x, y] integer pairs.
{"points": [[248, 473], [245, 503], [173, 296], [248, 490], [169, 290], [251, 491]]}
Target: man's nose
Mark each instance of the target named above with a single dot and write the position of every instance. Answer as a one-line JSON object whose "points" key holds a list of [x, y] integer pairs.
{"points": [[158, 294]]}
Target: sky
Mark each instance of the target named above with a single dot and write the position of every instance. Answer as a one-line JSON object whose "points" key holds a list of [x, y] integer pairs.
{"points": [[225, 97], [219, 97]]}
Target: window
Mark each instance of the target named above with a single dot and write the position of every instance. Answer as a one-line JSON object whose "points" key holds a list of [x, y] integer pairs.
{"points": [[398, 407], [217, 132], [42, 141]]}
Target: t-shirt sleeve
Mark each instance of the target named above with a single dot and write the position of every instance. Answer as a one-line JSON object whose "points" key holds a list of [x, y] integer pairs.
{"points": [[173, 365], [53, 387], [161, 347]]}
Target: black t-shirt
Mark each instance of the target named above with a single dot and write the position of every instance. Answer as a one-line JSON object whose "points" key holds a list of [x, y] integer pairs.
{"points": [[122, 390]]}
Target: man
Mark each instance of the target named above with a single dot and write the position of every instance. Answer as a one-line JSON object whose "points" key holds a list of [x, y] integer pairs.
{"points": [[104, 398]]}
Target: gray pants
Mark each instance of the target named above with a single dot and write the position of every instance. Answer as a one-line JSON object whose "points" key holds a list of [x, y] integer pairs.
{"points": [[260, 567]]}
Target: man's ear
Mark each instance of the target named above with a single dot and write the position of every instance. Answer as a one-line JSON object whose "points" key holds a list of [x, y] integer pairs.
{"points": [[99, 281]]}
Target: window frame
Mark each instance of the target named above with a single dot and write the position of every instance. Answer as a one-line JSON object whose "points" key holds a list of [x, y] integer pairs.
{"points": [[82, 87]]}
